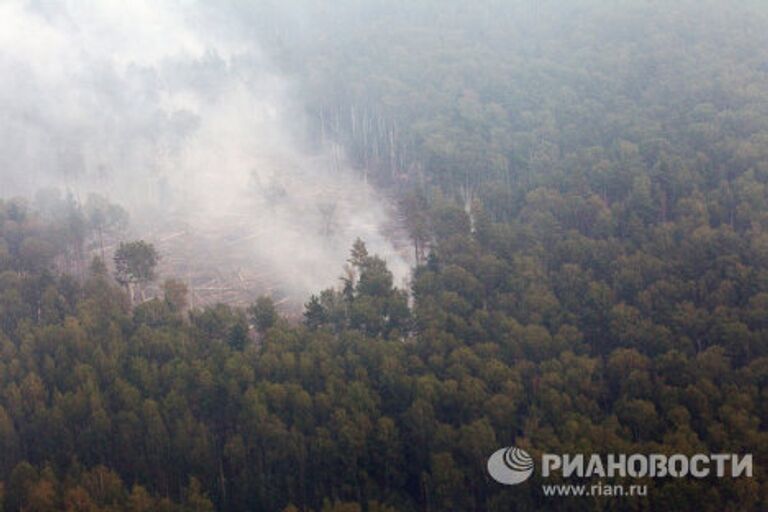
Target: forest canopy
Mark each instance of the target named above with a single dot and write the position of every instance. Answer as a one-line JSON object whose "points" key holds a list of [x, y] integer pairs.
{"points": [[585, 189]]}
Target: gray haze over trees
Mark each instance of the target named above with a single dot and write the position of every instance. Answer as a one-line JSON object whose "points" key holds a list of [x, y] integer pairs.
{"points": [[172, 110], [581, 186]]}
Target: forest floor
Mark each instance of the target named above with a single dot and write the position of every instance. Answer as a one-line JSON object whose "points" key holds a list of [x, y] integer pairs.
{"points": [[218, 263]]}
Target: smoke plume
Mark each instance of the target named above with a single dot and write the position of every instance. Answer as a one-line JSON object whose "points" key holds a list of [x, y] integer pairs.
{"points": [[172, 110]]}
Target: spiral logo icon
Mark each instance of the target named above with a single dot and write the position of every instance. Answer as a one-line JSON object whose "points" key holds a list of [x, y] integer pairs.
{"points": [[510, 466]]}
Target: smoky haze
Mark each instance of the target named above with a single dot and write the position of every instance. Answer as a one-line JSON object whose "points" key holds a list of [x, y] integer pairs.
{"points": [[176, 114]]}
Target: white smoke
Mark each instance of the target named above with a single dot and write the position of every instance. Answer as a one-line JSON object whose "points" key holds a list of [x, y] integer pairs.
{"points": [[172, 111]]}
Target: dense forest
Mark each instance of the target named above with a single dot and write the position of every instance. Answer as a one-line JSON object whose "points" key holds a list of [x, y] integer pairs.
{"points": [[585, 186]]}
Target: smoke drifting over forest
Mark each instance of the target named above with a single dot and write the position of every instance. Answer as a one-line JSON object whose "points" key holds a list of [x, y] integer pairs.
{"points": [[177, 115]]}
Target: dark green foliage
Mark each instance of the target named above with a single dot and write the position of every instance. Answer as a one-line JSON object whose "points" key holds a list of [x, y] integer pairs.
{"points": [[238, 335], [263, 313], [586, 192], [135, 262], [368, 300], [314, 313], [191, 409]]}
